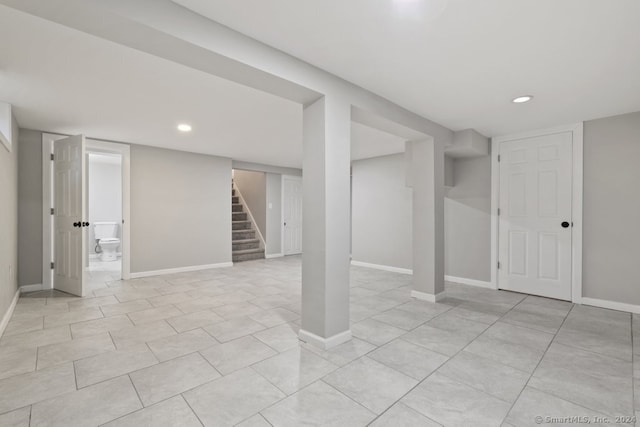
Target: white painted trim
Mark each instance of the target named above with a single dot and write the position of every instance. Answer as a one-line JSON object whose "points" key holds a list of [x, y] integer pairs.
{"points": [[423, 296], [263, 244], [47, 202], [31, 288], [282, 178], [613, 305], [180, 270], [576, 217], [470, 282], [269, 256], [495, 204], [382, 267], [324, 343], [9, 312], [577, 197]]}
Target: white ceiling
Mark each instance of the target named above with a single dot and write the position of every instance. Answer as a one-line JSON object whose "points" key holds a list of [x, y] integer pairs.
{"points": [[64, 81], [460, 62]]}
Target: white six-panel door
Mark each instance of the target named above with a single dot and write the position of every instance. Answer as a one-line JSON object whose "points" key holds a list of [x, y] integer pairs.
{"points": [[292, 215], [535, 225], [69, 211]]}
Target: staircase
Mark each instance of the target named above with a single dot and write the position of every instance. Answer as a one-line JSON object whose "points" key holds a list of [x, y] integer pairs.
{"points": [[245, 244]]}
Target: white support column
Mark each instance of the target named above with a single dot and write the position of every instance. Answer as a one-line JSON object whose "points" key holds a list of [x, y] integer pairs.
{"points": [[427, 178], [326, 217]]}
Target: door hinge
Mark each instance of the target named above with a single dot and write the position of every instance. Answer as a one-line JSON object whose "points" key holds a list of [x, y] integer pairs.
{"points": [[52, 266], [52, 211], [52, 157], [498, 157], [498, 211], [498, 265]]}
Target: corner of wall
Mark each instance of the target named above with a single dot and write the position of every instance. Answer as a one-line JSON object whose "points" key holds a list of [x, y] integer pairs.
{"points": [[9, 223]]}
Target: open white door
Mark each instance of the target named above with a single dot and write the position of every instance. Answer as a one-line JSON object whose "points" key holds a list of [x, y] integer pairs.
{"points": [[535, 222], [70, 237], [292, 215]]}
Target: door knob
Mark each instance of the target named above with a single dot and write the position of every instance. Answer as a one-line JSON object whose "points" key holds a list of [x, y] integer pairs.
{"points": [[77, 224], [85, 224], [565, 224]]}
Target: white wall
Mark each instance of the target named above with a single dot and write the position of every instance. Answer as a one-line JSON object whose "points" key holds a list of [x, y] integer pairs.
{"points": [[30, 208], [8, 221], [105, 192], [381, 215], [273, 235], [468, 220], [381, 212], [180, 209], [611, 232]]}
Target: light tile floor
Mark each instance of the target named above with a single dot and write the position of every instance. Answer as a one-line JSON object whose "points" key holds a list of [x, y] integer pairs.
{"points": [[219, 347]]}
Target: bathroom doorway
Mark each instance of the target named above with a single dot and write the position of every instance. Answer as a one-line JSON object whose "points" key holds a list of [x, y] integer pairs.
{"points": [[94, 269], [104, 207]]}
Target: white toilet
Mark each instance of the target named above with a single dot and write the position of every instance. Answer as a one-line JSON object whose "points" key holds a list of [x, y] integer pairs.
{"points": [[105, 233]]}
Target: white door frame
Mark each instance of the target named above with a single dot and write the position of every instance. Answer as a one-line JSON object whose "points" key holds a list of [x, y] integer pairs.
{"points": [[47, 202], [283, 177], [576, 199]]}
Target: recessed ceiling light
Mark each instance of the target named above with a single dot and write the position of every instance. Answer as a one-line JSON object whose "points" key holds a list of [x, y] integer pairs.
{"points": [[522, 99], [183, 127]]}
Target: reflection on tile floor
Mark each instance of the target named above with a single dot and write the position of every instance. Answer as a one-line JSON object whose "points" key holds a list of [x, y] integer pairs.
{"points": [[219, 347], [100, 272]]}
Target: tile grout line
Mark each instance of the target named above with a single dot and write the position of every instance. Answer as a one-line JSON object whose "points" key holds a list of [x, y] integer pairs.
{"points": [[270, 382], [75, 374], [436, 370], [539, 362], [570, 401], [348, 397], [586, 351], [450, 358], [376, 347], [207, 360], [137, 393], [190, 408], [595, 352]]}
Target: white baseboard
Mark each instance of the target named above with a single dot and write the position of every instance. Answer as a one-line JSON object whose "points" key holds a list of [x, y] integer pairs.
{"points": [[470, 282], [180, 270], [382, 267], [429, 297], [7, 315], [269, 256], [31, 288], [613, 305], [324, 343]]}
